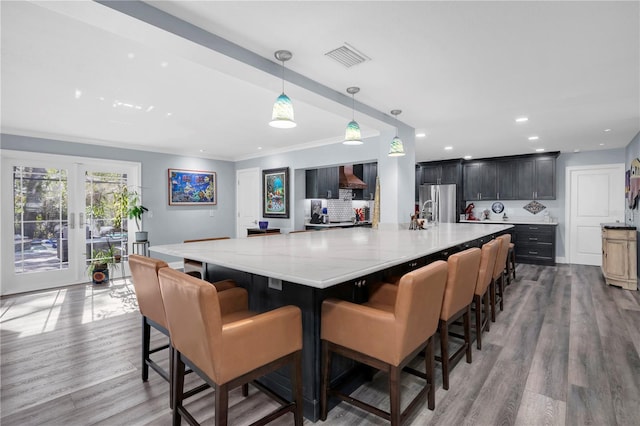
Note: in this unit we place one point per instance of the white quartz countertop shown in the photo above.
(515, 221)
(325, 258)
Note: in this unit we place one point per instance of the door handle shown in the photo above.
(72, 221)
(81, 219)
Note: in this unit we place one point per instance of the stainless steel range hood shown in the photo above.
(348, 180)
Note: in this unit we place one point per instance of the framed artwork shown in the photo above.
(192, 188)
(275, 193)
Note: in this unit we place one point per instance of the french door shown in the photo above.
(58, 213)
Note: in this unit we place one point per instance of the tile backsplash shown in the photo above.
(342, 208)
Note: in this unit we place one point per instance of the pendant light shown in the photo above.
(282, 116)
(352, 134)
(397, 148)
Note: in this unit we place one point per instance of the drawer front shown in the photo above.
(619, 234)
(536, 229)
(536, 238)
(535, 250)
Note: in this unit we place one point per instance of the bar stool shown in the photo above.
(195, 267)
(227, 345)
(481, 295)
(144, 274)
(497, 284)
(386, 333)
(461, 283)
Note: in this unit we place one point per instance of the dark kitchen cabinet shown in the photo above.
(367, 173)
(322, 183)
(479, 180)
(441, 172)
(506, 180)
(536, 178)
(535, 244)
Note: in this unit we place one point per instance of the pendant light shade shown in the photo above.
(352, 135)
(282, 116)
(396, 149)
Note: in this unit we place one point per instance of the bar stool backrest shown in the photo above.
(461, 281)
(144, 274)
(501, 259)
(487, 265)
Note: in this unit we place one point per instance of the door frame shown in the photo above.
(567, 200)
(11, 282)
(255, 170)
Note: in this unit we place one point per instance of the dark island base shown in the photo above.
(266, 294)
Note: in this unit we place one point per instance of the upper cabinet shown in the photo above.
(511, 178)
(479, 180)
(536, 178)
(367, 172)
(322, 183)
(440, 172)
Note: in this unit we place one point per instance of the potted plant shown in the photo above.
(99, 267)
(135, 210)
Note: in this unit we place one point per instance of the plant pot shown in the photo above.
(141, 236)
(100, 273)
(117, 258)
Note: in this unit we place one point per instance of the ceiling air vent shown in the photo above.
(347, 55)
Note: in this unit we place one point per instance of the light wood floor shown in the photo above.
(565, 351)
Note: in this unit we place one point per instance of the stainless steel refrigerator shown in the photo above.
(438, 202)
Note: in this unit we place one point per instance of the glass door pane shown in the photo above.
(40, 225)
(106, 203)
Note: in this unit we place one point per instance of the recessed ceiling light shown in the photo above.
(150, 107)
(468, 157)
(164, 64)
(522, 119)
(448, 148)
(576, 150)
(202, 150)
(131, 55)
(607, 130)
(539, 149)
(169, 114)
(420, 133)
(533, 138)
(78, 93)
(259, 147)
(601, 144)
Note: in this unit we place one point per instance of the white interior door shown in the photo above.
(247, 200)
(50, 204)
(595, 194)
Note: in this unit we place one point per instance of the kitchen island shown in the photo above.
(303, 269)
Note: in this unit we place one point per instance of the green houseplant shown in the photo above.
(135, 210)
(99, 267)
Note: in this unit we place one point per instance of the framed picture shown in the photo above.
(275, 193)
(192, 188)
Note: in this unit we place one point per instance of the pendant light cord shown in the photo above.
(283, 77)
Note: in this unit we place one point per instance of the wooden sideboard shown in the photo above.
(619, 248)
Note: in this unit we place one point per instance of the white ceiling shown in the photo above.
(462, 71)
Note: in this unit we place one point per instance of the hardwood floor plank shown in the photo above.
(586, 407)
(540, 410)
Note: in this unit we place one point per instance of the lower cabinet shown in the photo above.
(535, 244)
(619, 265)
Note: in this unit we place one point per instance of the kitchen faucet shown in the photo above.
(424, 209)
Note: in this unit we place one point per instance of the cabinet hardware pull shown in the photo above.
(533, 239)
(328, 193)
(531, 227)
(533, 252)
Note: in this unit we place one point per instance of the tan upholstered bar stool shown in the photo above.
(461, 283)
(481, 294)
(497, 284)
(144, 274)
(195, 267)
(227, 345)
(386, 333)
